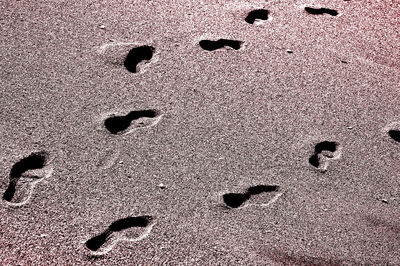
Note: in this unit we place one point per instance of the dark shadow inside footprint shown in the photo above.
(261, 14)
(320, 11)
(136, 55)
(235, 200)
(314, 160)
(96, 242)
(122, 224)
(326, 146)
(117, 124)
(394, 134)
(261, 189)
(134, 115)
(125, 223)
(35, 160)
(214, 45)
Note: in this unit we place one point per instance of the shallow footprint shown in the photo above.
(133, 120)
(257, 14)
(24, 176)
(209, 45)
(129, 229)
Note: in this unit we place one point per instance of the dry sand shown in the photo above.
(242, 120)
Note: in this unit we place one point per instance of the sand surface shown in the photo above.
(279, 148)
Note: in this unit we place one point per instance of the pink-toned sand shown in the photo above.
(227, 120)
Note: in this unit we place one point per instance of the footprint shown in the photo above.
(133, 56)
(394, 134)
(24, 176)
(393, 131)
(261, 189)
(214, 45)
(133, 120)
(257, 14)
(137, 55)
(109, 159)
(130, 229)
(235, 200)
(320, 11)
(324, 152)
(255, 195)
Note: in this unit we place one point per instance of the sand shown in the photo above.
(295, 117)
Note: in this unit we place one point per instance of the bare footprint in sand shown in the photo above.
(129, 229)
(392, 130)
(24, 176)
(324, 152)
(394, 134)
(320, 11)
(135, 57)
(209, 45)
(126, 124)
(256, 15)
(260, 195)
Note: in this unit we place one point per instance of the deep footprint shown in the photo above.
(258, 14)
(326, 146)
(314, 160)
(394, 134)
(117, 124)
(261, 189)
(125, 223)
(214, 45)
(323, 151)
(137, 55)
(320, 11)
(235, 200)
(36, 160)
(95, 243)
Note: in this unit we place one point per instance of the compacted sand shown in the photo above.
(200, 132)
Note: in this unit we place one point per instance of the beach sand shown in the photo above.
(275, 142)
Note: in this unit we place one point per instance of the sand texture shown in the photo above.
(200, 132)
